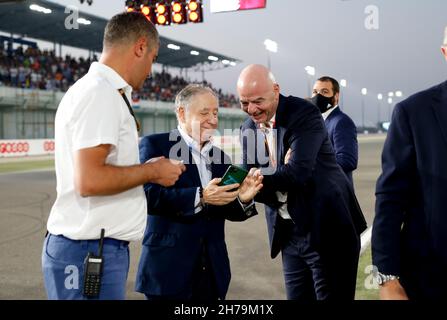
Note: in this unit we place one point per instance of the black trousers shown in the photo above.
(304, 273)
(311, 274)
(203, 284)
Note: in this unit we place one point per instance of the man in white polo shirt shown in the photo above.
(98, 173)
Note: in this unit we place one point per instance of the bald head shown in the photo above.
(258, 92)
(255, 77)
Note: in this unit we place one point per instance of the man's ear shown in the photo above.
(140, 47)
(181, 114)
(276, 87)
(276, 90)
(337, 97)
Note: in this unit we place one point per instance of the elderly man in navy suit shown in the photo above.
(409, 237)
(341, 129)
(184, 256)
(312, 214)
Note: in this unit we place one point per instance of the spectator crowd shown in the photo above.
(32, 68)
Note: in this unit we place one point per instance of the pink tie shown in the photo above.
(266, 127)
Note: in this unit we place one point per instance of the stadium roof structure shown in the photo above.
(17, 18)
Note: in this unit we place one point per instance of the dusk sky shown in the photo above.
(330, 35)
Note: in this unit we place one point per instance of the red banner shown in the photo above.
(251, 4)
(28, 147)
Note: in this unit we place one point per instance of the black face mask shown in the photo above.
(323, 103)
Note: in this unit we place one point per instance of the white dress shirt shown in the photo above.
(203, 163)
(328, 112)
(271, 139)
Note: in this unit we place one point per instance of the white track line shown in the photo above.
(365, 240)
(27, 171)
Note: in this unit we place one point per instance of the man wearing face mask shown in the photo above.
(341, 129)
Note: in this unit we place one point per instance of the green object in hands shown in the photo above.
(233, 174)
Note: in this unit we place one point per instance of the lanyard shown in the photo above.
(268, 133)
(121, 91)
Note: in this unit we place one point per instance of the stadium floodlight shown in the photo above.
(390, 94)
(390, 100)
(225, 61)
(163, 13)
(213, 58)
(271, 45)
(380, 98)
(364, 92)
(178, 12)
(84, 21)
(232, 63)
(194, 53)
(398, 94)
(195, 11)
(166, 12)
(145, 10)
(131, 5)
(37, 8)
(173, 46)
(343, 83)
(310, 70)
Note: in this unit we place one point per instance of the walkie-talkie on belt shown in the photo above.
(93, 271)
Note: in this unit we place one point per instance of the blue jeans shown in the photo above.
(63, 267)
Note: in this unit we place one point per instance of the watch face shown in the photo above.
(379, 279)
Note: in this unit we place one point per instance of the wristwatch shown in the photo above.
(381, 278)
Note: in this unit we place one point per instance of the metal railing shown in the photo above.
(29, 114)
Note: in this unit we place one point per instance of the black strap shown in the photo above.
(121, 91)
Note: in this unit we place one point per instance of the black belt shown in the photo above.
(109, 241)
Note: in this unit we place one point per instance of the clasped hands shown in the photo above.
(222, 195)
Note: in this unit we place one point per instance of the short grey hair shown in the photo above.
(184, 97)
(127, 27)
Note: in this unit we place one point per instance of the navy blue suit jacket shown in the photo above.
(320, 199)
(175, 234)
(343, 136)
(409, 235)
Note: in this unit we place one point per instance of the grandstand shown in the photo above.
(32, 81)
(35, 69)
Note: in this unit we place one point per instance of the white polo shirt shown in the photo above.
(92, 113)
